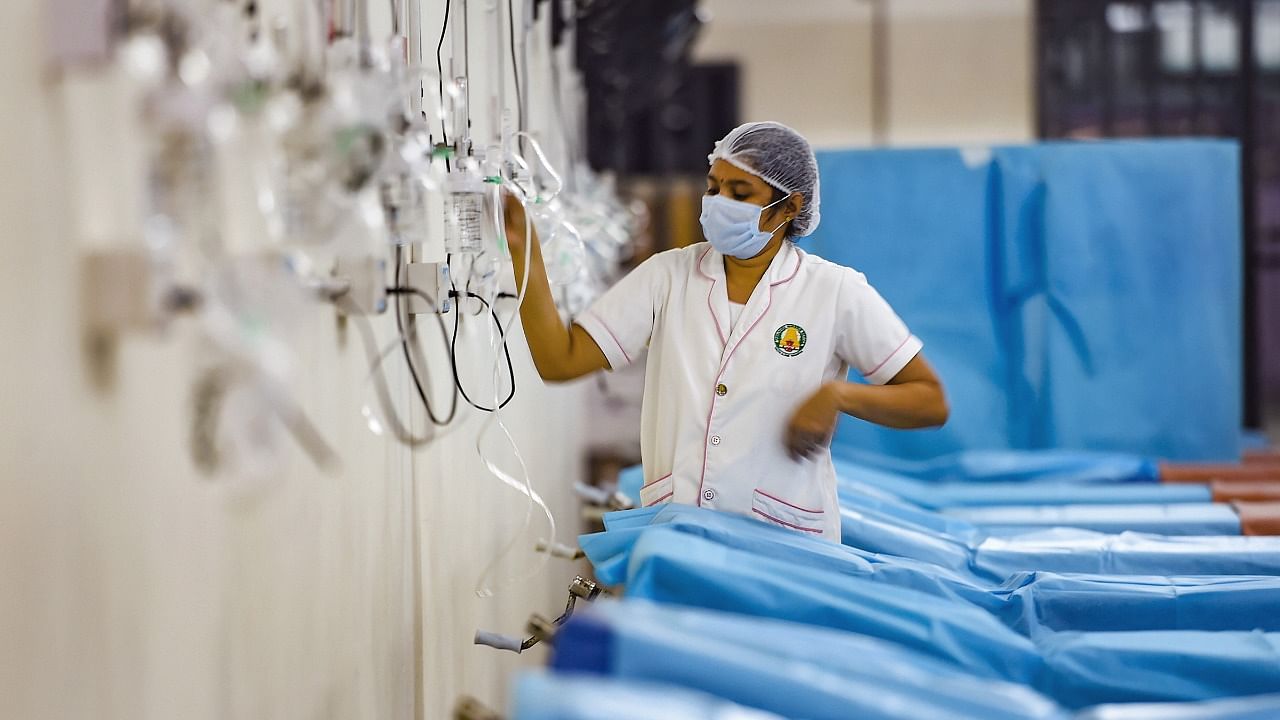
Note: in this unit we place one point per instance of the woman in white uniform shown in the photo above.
(750, 342)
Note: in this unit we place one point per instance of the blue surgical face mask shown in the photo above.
(733, 226)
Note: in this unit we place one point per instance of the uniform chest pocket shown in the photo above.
(780, 512)
(659, 490)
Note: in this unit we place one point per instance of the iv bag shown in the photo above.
(464, 213)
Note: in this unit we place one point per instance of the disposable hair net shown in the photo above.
(781, 157)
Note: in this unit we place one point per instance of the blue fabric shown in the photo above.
(876, 525)
(887, 212)
(547, 696)
(674, 567)
(944, 494)
(1254, 440)
(1092, 668)
(1123, 265)
(1074, 668)
(630, 480)
(1071, 295)
(789, 669)
(1257, 707)
(1082, 551)
(1027, 602)
(1133, 602)
(1001, 478)
(1185, 519)
(1053, 485)
(1014, 466)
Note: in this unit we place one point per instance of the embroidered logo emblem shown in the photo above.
(789, 340)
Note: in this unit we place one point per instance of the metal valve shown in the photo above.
(539, 628)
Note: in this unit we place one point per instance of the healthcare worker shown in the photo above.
(750, 340)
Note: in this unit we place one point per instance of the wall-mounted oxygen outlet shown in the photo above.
(366, 278)
(124, 292)
(119, 292)
(434, 282)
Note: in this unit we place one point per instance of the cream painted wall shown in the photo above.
(131, 586)
(812, 74)
(963, 76)
(959, 71)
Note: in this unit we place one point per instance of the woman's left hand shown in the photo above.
(813, 423)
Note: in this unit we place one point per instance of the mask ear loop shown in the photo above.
(766, 207)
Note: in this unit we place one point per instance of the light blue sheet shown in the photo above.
(883, 524)
(1258, 707)
(1122, 264)
(917, 223)
(630, 480)
(1093, 668)
(944, 494)
(879, 526)
(1071, 295)
(947, 494)
(1184, 519)
(793, 670)
(674, 567)
(1014, 466)
(1026, 602)
(548, 696)
(1076, 669)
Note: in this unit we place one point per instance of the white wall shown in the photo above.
(131, 586)
(958, 71)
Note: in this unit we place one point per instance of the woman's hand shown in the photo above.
(912, 399)
(813, 423)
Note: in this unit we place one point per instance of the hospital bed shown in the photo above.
(1075, 668)
(1026, 602)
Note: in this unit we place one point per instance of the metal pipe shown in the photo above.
(1248, 91)
(413, 43)
(460, 72)
(397, 17)
(342, 18)
(500, 115)
(879, 72)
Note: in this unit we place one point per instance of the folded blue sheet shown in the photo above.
(1026, 602)
(789, 669)
(1076, 669)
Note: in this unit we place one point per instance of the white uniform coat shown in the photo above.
(717, 397)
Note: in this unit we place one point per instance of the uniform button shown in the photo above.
(715, 439)
(722, 390)
(708, 494)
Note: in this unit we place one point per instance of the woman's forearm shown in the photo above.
(559, 353)
(545, 333)
(907, 405)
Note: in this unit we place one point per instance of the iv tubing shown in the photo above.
(398, 428)
(483, 587)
